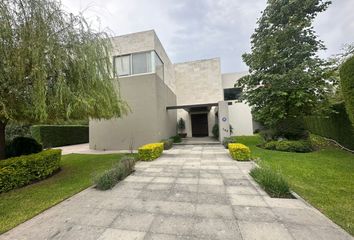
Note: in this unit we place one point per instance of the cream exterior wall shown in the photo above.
(198, 82)
(148, 120)
(240, 116)
(141, 42)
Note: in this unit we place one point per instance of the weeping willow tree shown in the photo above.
(53, 67)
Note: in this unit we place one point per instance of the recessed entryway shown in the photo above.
(199, 125)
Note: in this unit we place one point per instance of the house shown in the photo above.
(160, 92)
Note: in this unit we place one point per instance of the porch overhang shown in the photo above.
(195, 107)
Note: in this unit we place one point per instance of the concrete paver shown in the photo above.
(190, 192)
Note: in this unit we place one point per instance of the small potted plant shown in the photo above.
(181, 125)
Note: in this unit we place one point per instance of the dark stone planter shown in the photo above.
(182, 135)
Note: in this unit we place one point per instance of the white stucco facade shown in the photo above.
(193, 89)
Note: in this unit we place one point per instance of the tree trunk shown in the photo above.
(2, 139)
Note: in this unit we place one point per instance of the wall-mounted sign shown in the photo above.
(224, 119)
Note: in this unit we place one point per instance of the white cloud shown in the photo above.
(194, 29)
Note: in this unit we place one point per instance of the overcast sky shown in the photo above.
(199, 29)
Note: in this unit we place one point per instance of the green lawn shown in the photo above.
(77, 172)
(324, 178)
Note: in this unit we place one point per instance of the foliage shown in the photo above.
(228, 140)
(176, 139)
(239, 152)
(150, 151)
(181, 125)
(215, 131)
(60, 135)
(347, 86)
(111, 177)
(20, 171)
(286, 76)
(22, 146)
(301, 146)
(53, 66)
(323, 178)
(75, 175)
(336, 126)
(318, 142)
(167, 143)
(273, 183)
(16, 130)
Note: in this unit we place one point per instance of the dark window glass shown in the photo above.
(232, 93)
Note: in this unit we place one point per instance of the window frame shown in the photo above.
(153, 66)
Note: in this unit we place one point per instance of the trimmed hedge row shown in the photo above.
(150, 151)
(60, 135)
(302, 146)
(337, 126)
(20, 171)
(239, 152)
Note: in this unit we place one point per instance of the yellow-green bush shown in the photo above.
(239, 151)
(150, 151)
(20, 171)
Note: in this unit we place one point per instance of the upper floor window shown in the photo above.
(139, 63)
(232, 93)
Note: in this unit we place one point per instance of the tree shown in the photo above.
(53, 66)
(286, 76)
(347, 86)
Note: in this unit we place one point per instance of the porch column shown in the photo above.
(224, 126)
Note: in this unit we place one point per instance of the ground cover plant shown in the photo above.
(324, 177)
(118, 172)
(76, 174)
(272, 182)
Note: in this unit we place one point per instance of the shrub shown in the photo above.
(110, 178)
(289, 146)
(22, 146)
(60, 135)
(215, 130)
(318, 142)
(167, 143)
(239, 152)
(20, 171)
(176, 139)
(273, 183)
(181, 125)
(228, 140)
(150, 151)
(16, 130)
(347, 86)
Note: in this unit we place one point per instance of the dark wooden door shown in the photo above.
(199, 125)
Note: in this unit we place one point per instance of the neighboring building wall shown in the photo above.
(240, 116)
(148, 122)
(198, 82)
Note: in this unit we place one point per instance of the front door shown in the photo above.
(199, 125)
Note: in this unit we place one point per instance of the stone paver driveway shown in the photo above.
(191, 192)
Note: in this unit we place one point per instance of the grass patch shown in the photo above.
(324, 178)
(77, 171)
(273, 183)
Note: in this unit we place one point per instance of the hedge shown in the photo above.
(347, 86)
(302, 146)
(20, 171)
(228, 140)
(337, 126)
(150, 151)
(167, 143)
(239, 152)
(60, 135)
